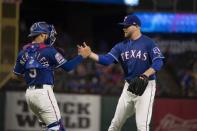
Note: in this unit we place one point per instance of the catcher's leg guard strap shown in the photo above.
(56, 126)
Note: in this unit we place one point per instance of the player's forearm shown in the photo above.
(102, 59)
(149, 72)
(156, 66)
(72, 64)
(94, 56)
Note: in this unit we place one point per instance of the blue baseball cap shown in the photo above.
(130, 20)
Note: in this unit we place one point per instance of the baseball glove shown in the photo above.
(138, 85)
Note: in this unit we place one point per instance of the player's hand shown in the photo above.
(84, 50)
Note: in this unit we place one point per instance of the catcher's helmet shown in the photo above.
(42, 27)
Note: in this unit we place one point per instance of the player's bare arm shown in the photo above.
(149, 72)
(94, 56)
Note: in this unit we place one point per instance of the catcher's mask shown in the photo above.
(42, 27)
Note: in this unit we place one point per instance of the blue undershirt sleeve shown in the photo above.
(72, 64)
(157, 64)
(106, 59)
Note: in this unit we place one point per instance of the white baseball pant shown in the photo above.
(129, 104)
(43, 104)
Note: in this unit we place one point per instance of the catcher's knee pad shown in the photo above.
(56, 126)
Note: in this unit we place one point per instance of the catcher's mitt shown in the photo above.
(138, 85)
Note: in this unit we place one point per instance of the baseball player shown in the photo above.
(140, 59)
(36, 63)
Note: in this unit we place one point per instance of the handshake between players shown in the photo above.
(84, 50)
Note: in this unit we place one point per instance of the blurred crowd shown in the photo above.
(181, 63)
(90, 77)
(184, 69)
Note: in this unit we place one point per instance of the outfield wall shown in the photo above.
(94, 113)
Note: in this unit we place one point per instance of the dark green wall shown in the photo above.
(107, 112)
